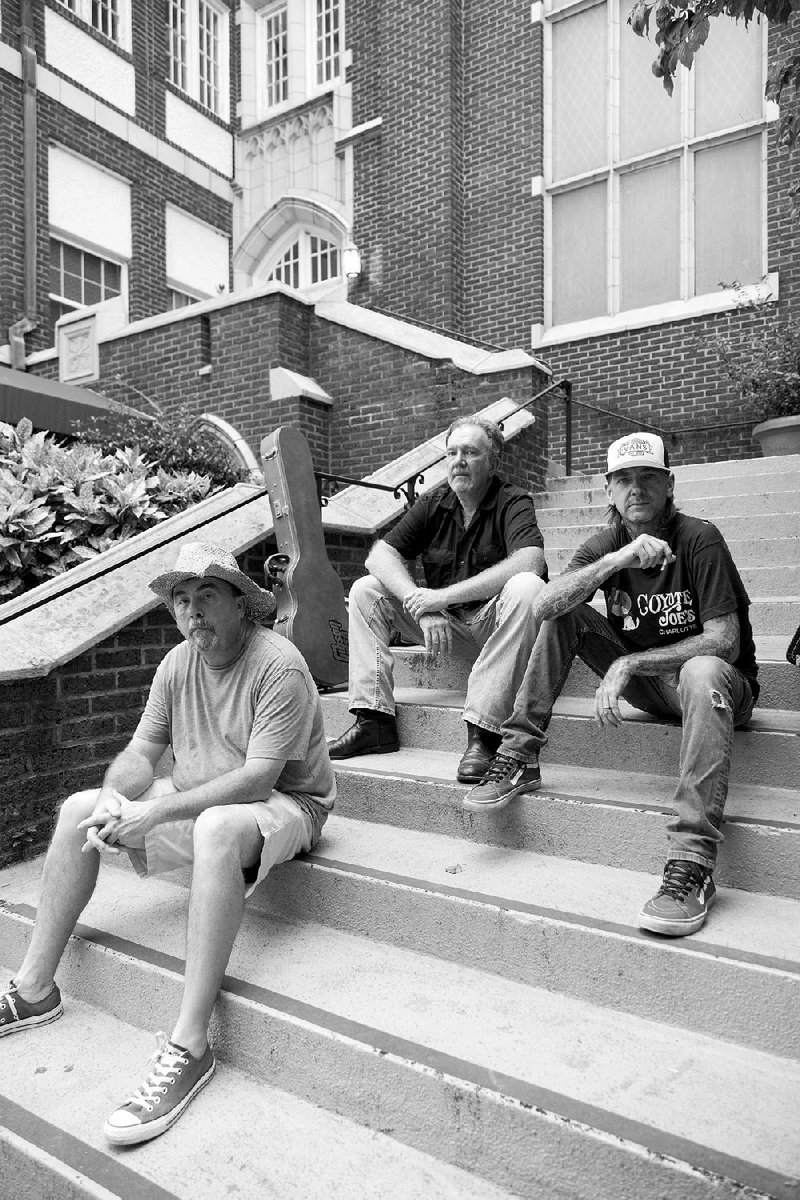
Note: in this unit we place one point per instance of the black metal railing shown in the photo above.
(408, 488)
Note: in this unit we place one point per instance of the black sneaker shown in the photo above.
(172, 1079)
(682, 902)
(17, 1014)
(505, 779)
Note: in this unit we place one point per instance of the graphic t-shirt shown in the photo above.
(651, 608)
(262, 705)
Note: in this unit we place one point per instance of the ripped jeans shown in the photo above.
(712, 697)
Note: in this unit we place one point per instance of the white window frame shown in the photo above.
(97, 252)
(83, 10)
(688, 304)
(192, 84)
(302, 65)
(304, 235)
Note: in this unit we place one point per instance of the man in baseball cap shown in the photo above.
(251, 785)
(676, 641)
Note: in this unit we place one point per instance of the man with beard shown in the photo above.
(676, 641)
(251, 786)
(483, 561)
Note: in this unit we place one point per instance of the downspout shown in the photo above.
(26, 324)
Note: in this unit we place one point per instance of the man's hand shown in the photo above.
(117, 820)
(422, 601)
(606, 698)
(648, 551)
(437, 632)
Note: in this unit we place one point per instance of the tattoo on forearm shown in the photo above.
(722, 641)
(568, 591)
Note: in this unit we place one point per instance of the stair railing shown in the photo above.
(328, 484)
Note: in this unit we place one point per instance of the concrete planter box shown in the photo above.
(779, 436)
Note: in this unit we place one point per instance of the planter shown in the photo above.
(779, 436)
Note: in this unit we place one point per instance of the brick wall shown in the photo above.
(152, 184)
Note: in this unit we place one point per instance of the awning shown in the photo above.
(48, 403)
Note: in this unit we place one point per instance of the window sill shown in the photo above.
(659, 314)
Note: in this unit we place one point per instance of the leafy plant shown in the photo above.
(175, 441)
(766, 372)
(61, 505)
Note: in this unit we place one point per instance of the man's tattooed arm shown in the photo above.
(720, 638)
(566, 592)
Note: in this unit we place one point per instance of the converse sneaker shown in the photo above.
(505, 779)
(16, 1013)
(681, 903)
(172, 1079)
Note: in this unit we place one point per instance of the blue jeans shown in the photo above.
(709, 694)
(499, 637)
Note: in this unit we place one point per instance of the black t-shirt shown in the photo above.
(651, 608)
(433, 529)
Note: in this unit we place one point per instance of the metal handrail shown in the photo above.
(409, 486)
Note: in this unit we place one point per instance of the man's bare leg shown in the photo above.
(68, 880)
(226, 840)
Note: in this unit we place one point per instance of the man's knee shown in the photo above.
(705, 674)
(227, 832)
(365, 591)
(523, 588)
(78, 806)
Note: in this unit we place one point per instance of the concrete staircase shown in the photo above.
(442, 1004)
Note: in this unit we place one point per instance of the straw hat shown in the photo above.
(198, 560)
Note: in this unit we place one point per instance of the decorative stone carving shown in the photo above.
(291, 128)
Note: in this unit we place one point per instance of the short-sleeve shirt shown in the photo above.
(262, 705)
(433, 530)
(651, 608)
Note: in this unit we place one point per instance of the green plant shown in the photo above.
(175, 441)
(766, 372)
(61, 505)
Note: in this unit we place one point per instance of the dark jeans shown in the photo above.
(710, 696)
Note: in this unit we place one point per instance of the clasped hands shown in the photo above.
(115, 819)
(424, 605)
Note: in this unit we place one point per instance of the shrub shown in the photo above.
(175, 441)
(61, 505)
(766, 372)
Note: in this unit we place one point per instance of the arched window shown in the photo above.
(309, 259)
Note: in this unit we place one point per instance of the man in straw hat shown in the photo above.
(676, 641)
(251, 786)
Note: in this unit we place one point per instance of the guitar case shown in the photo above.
(311, 610)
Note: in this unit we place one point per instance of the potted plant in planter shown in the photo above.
(767, 375)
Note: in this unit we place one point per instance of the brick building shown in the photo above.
(509, 174)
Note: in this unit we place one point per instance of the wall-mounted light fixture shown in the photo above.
(351, 259)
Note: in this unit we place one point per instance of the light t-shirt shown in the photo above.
(262, 705)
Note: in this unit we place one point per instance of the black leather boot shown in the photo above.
(367, 736)
(481, 748)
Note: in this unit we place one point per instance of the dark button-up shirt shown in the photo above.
(433, 529)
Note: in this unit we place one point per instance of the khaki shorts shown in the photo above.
(286, 830)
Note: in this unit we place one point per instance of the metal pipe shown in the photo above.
(27, 323)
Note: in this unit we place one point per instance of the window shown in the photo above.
(106, 16)
(328, 45)
(309, 260)
(299, 57)
(198, 52)
(656, 202)
(79, 278)
(276, 57)
(179, 299)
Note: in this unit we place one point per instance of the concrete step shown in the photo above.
(51, 1144)
(780, 680)
(733, 528)
(710, 508)
(765, 752)
(605, 815)
(757, 550)
(554, 923)
(757, 474)
(542, 1099)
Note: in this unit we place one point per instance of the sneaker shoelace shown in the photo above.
(500, 768)
(680, 878)
(162, 1069)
